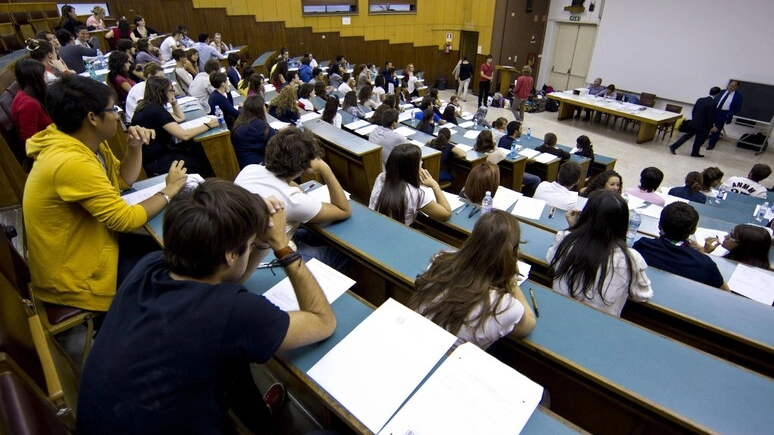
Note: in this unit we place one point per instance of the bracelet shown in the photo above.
(289, 259)
(163, 195)
(284, 252)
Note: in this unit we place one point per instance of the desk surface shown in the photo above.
(628, 110)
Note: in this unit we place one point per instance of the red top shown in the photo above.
(117, 82)
(523, 88)
(488, 70)
(28, 115)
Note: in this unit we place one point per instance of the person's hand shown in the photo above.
(317, 166)
(710, 244)
(426, 179)
(572, 217)
(275, 233)
(176, 177)
(695, 245)
(139, 136)
(273, 204)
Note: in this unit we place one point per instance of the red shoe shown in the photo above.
(275, 398)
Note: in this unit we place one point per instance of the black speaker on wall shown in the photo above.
(529, 5)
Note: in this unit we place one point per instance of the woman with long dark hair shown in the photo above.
(449, 114)
(748, 244)
(143, 53)
(255, 87)
(447, 149)
(397, 193)
(591, 261)
(28, 111)
(244, 83)
(692, 191)
(251, 132)
(350, 105)
(364, 98)
(118, 75)
(608, 180)
(122, 30)
(712, 178)
(331, 113)
(69, 19)
(278, 76)
(427, 124)
(473, 292)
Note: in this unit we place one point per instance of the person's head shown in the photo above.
(211, 66)
(178, 55)
(64, 37)
(759, 172)
(489, 59)
(152, 69)
(732, 85)
(143, 45)
(340, 58)
(31, 75)
(317, 73)
(456, 283)
(290, 152)
(611, 88)
(218, 38)
(583, 142)
(482, 178)
(234, 60)
(73, 102)
(364, 94)
(608, 180)
(409, 69)
(256, 84)
(118, 64)
(40, 50)
(305, 61)
(212, 229)
(711, 177)
(123, 26)
(350, 100)
(306, 91)
(309, 56)
(484, 142)
(694, 182)
(433, 94)
(598, 81)
(69, 12)
(402, 169)
(126, 45)
(50, 37)
(292, 78)
(387, 65)
(569, 174)
(82, 33)
(177, 35)
(500, 123)
(98, 11)
(193, 57)
(514, 129)
(218, 80)
(526, 70)
(427, 117)
(749, 244)
(345, 77)
(390, 118)
(320, 89)
(139, 21)
(183, 29)
(203, 38)
(158, 90)
(455, 100)
(253, 108)
(286, 100)
(650, 178)
(442, 140)
(714, 91)
(678, 221)
(284, 53)
(391, 100)
(449, 114)
(331, 108)
(549, 139)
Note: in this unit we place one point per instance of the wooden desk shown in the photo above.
(218, 148)
(261, 64)
(649, 118)
(241, 50)
(506, 75)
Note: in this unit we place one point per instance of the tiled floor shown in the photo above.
(632, 158)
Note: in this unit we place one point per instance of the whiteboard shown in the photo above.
(679, 49)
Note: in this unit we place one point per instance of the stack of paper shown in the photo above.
(143, 194)
(309, 116)
(279, 125)
(652, 210)
(464, 147)
(332, 282)
(528, 153)
(466, 124)
(365, 131)
(357, 124)
(195, 122)
(472, 134)
(544, 158)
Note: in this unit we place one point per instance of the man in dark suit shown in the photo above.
(727, 104)
(701, 124)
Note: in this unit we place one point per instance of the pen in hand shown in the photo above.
(534, 302)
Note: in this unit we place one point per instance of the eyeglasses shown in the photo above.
(262, 247)
(114, 109)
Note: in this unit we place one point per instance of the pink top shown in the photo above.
(524, 85)
(651, 197)
(97, 23)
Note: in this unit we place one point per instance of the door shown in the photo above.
(469, 45)
(572, 55)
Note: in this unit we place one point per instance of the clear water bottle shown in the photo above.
(230, 47)
(635, 219)
(90, 69)
(529, 133)
(221, 120)
(486, 203)
(721, 194)
(102, 61)
(299, 125)
(762, 211)
(623, 98)
(512, 154)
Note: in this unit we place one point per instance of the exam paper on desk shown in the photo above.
(472, 134)
(365, 131)
(357, 124)
(504, 198)
(454, 200)
(405, 131)
(142, 195)
(702, 234)
(196, 122)
(378, 365)
(757, 284)
(279, 125)
(529, 208)
(544, 158)
(528, 153)
(466, 124)
(309, 116)
(332, 282)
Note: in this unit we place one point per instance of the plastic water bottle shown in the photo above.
(721, 194)
(634, 224)
(623, 98)
(486, 203)
(221, 120)
(512, 154)
(529, 133)
(102, 61)
(762, 211)
(90, 69)
(230, 47)
(299, 125)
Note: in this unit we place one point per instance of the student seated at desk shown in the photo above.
(144, 54)
(650, 179)
(251, 132)
(305, 95)
(137, 93)
(692, 189)
(480, 117)
(584, 148)
(71, 53)
(559, 193)
(447, 149)
(499, 129)
(183, 331)
(385, 135)
(748, 244)
(162, 149)
(513, 132)
(284, 106)
(331, 113)
(750, 185)
(397, 194)
(549, 146)
(427, 124)
(256, 86)
(482, 179)
(201, 88)
(350, 105)
(449, 115)
(674, 251)
(27, 111)
(364, 98)
(485, 144)
(712, 178)
(119, 76)
(608, 180)
(221, 98)
(591, 261)
(182, 76)
(473, 292)
(289, 154)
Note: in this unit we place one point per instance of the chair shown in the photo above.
(22, 23)
(647, 100)
(38, 21)
(8, 129)
(669, 126)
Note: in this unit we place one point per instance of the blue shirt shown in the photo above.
(680, 259)
(685, 193)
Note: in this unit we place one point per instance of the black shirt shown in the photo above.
(679, 259)
(155, 117)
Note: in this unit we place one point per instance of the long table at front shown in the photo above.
(649, 118)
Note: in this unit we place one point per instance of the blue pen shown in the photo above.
(473, 212)
(462, 208)
(309, 187)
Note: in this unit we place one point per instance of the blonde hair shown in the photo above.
(96, 10)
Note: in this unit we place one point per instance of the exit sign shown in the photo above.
(574, 17)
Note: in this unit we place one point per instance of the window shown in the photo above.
(394, 7)
(330, 7)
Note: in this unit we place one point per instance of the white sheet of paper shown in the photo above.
(466, 124)
(235, 94)
(472, 134)
(195, 122)
(405, 131)
(405, 116)
(406, 106)
(652, 210)
(451, 131)
(544, 157)
(504, 198)
(464, 147)
(454, 200)
(635, 202)
(370, 114)
(332, 282)
(528, 153)
(143, 194)
(185, 100)
(529, 208)
(466, 115)
(416, 142)
(357, 124)
(524, 270)
(471, 393)
(755, 283)
(279, 125)
(309, 116)
(323, 194)
(703, 234)
(375, 368)
(365, 131)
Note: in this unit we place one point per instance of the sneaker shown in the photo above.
(672, 150)
(697, 155)
(275, 398)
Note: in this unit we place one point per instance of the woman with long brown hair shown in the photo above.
(251, 132)
(284, 106)
(473, 292)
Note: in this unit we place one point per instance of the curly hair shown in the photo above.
(286, 100)
(290, 152)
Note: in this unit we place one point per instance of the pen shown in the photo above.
(309, 187)
(462, 208)
(551, 212)
(534, 302)
(473, 212)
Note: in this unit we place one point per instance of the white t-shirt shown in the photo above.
(337, 120)
(299, 207)
(412, 83)
(556, 195)
(344, 88)
(746, 186)
(416, 198)
(166, 48)
(511, 311)
(377, 93)
(616, 282)
(305, 104)
(133, 97)
(388, 139)
(200, 88)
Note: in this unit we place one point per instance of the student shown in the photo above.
(183, 331)
(28, 114)
(42, 51)
(290, 153)
(584, 148)
(135, 69)
(144, 54)
(69, 20)
(363, 77)
(608, 180)
(285, 106)
(251, 132)
(137, 93)
(364, 98)
(449, 114)
(397, 193)
(140, 30)
(318, 76)
(96, 20)
(350, 105)
(486, 72)
(499, 129)
(305, 95)
(513, 132)
(331, 113)
(549, 146)
(411, 80)
(182, 76)
(379, 91)
(221, 98)
(455, 102)
(162, 149)
(170, 43)
(480, 117)
(750, 185)
(122, 30)
(447, 149)
(206, 53)
(385, 135)
(650, 179)
(82, 38)
(472, 292)
(692, 189)
(427, 124)
(305, 71)
(485, 144)
(192, 63)
(335, 78)
(347, 84)
(73, 211)
(244, 82)
(673, 251)
(72, 54)
(256, 85)
(234, 63)
(748, 244)
(483, 178)
(711, 177)
(57, 61)
(591, 261)
(218, 44)
(559, 193)
(118, 75)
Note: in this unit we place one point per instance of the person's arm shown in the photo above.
(438, 209)
(86, 51)
(177, 112)
(181, 133)
(262, 248)
(175, 180)
(193, 70)
(130, 166)
(126, 86)
(527, 323)
(338, 208)
(459, 152)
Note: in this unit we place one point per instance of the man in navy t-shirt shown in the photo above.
(174, 352)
